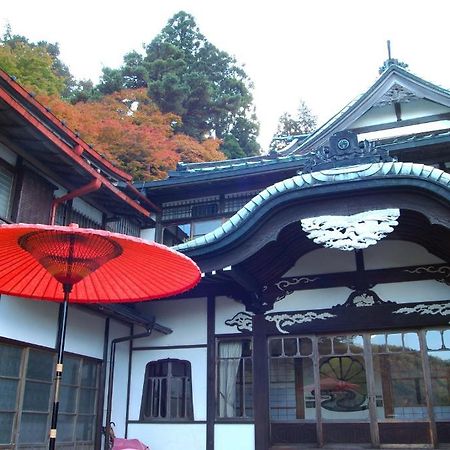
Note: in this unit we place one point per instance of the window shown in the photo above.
(235, 379)
(26, 376)
(167, 391)
(6, 185)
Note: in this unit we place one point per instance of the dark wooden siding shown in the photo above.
(36, 195)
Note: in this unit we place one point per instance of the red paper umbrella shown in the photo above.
(71, 264)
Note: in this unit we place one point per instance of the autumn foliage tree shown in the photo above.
(129, 129)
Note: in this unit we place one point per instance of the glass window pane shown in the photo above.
(33, 428)
(305, 346)
(6, 182)
(71, 370)
(85, 428)
(325, 346)
(356, 344)
(434, 340)
(275, 347)
(411, 341)
(87, 401)
(8, 394)
(66, 428)
(290, 346)
(40, 365)
(68, 399)
(378, 343)
(340, 345)
(89, 374)
(400, 387)
(6, 425)
(446, 335)
(178, 369)
(394, 342)
(10, 357)
(440, 382)
(36, 396)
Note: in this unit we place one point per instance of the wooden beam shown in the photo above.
(401, 123)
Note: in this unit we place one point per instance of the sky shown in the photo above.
(325, 52)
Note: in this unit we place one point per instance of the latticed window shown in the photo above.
(167, 391)
(26, 394)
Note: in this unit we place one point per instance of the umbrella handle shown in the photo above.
(61, 338)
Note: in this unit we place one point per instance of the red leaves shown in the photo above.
(129, 129)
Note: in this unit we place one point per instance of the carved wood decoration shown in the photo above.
(353, 232)
(349, 317)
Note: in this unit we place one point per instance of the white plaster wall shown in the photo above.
(388, 254)
(148, 234)
(186, 317)
(226, 308)
(171, 436)
(413, 291)
(323, 260)
(234, 437)
(31, 321)
(119, 399)
(85, 333)
(312, 299)
(88, 210)
(197, 358)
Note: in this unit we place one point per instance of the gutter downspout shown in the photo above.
(92, 186)
(111, 376)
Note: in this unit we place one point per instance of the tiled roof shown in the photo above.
(325, 177)
(426, 138)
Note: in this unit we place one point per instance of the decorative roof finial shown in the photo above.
(391, 61)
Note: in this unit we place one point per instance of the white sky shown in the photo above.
(323, 51)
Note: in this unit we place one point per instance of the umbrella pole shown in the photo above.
(61, 337)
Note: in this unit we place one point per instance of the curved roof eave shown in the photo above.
(342, 175)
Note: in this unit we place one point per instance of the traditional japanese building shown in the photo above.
(322, 317)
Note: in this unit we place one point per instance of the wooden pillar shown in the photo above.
(211, 373)
(260, 383)
(159, 230)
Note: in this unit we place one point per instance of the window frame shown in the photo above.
(169, 378)
(244, 388)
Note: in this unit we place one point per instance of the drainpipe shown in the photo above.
(92, 186)
(111, 376)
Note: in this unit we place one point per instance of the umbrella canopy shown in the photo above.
(102, 267)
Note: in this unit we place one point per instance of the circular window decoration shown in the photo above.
(343, 384)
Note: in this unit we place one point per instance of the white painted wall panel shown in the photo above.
(312, 299)
(414, 291)
(148, 234)
(119, 400)
(234, 437)
(388, 254)
(30, 321)
(85, 333)
(226, 308)
(186, 317)
(197, 358)
(171, 436)
(323, 260)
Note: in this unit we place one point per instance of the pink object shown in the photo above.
(129, 444)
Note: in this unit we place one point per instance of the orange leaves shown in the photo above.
(129, 129)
